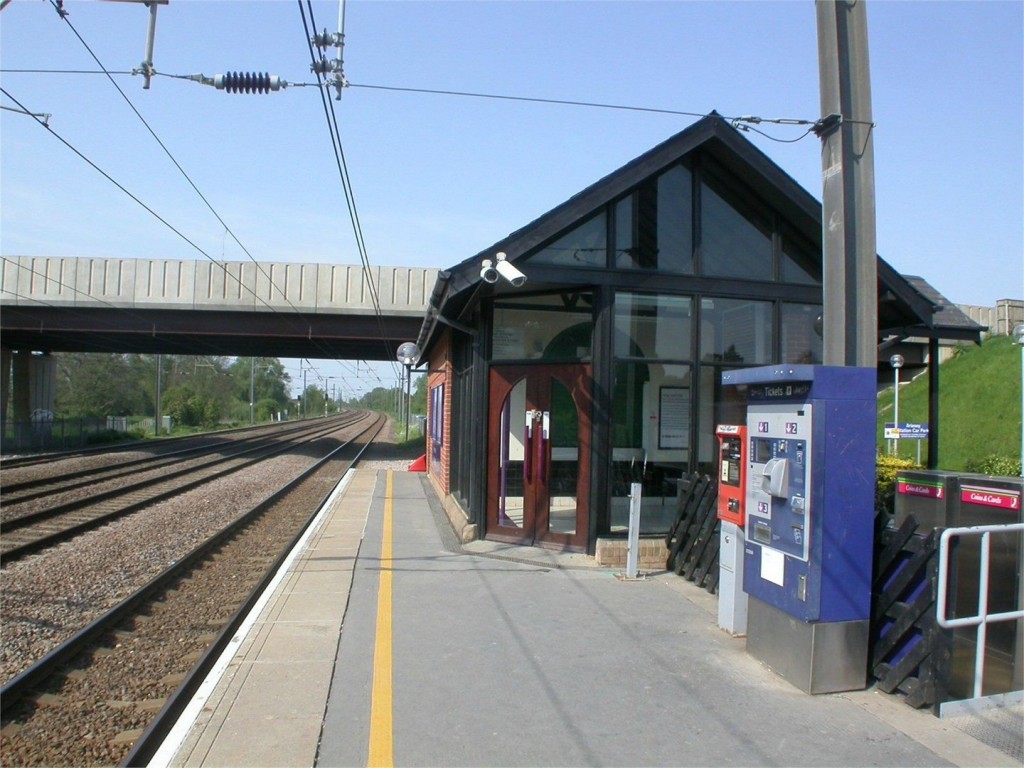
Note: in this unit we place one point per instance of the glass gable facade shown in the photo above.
(680, 278)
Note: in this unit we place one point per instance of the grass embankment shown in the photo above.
(979, 405)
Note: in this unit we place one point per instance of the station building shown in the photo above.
(548, 398)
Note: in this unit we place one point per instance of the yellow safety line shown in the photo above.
(381, 709)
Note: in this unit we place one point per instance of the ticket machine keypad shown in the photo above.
(778, 479)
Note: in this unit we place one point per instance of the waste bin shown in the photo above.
(927, 495)
(987, 500)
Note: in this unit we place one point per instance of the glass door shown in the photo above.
(539, 455)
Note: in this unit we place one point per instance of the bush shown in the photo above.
(995, 465)
(886, 469)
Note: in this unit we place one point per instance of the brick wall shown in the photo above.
(440, 375)
(611, 553)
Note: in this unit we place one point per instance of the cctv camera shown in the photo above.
(509, 272)
(488, 273)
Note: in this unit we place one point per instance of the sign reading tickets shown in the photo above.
(990, 497)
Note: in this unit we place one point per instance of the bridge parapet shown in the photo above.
(231, 285)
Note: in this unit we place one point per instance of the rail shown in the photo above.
(31, 680)
(982, 618)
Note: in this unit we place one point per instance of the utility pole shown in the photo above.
(850, 317)
(252, 388)
(159, 384)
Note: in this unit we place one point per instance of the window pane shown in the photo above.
(626, 253)
(650, 441)
(736, 331)
(799, 264)
(565, 465)
(718, 405)
(801, 342)
(675, 222)
(550, 327)
(661, 237)
(731, 244)
(585, 246)
(437, 422)
(652, 325)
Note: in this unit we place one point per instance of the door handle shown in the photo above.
(528, 447)
(545, 434)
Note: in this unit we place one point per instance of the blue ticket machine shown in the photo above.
(810, 521)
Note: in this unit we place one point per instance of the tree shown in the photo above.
(195, 390)
(266, 380)
(419, 395)
(98, 385)
(189, 408)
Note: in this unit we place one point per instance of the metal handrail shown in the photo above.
(982, 618)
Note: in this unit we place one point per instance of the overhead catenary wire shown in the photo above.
(167, 152)
(742, 122)
(346, 183)
(103, 70)
(63, 14)
(156, 215)
(332, 120)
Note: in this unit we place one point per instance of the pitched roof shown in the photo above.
(901, 306)
(947, 319)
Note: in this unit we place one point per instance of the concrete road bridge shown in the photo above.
(324, 311)
(246, 309)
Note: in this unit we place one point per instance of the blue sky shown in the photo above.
(438, 178)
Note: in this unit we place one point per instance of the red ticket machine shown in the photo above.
(732, 473)
(732, 489)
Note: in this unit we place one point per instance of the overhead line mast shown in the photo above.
(850, 332)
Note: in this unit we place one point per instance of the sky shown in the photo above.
(437, 178)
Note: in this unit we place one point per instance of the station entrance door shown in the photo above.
(538, 455)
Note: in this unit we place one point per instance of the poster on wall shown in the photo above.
(674, 417)
(508, 343)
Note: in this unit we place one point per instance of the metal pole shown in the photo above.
(303, 393)
(408, 399)
(147, 65)
(896, 408)
(1018, 337)
(933, 404)
(159, 379)
(633, 544)
(252, 388)
(850, 333)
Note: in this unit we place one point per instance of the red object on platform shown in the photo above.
(420, 465)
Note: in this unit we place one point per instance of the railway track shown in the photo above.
(110, 693)
(19, 491)
(106, 451)
(30, 524)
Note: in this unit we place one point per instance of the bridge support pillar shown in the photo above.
(6, 359)
(20, 401)
(34, 380)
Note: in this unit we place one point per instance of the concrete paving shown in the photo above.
(518, 657)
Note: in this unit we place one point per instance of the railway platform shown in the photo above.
(386, 642)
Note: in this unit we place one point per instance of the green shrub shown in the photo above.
(886, 469)
(995, 465)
